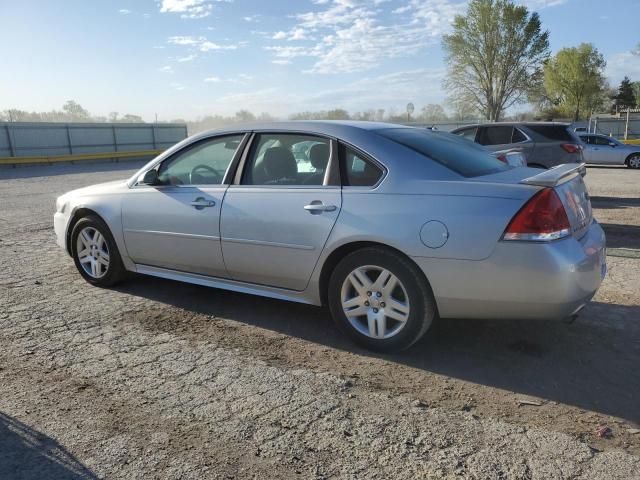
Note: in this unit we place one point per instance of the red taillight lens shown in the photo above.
(571, 148)
(502, 158)
(541, 219)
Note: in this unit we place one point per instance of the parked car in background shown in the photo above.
(544, 145)
(390, 226)
(603, 150)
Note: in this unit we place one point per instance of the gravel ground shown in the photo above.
(158, 379)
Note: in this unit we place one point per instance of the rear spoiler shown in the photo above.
(556, 175)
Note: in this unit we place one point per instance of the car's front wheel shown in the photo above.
(380, 299)
(95, 252)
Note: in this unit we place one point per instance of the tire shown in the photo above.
(411, 297)
(96, 251)
(633, 161)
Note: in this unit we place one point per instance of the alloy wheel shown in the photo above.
(634, 162)
(375, 302)
(92, 252)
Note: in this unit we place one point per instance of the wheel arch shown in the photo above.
(78, 214)
(343, 250)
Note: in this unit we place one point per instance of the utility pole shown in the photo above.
(626, 125)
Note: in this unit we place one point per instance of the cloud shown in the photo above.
(623, 64)
(177, 86)
(356, 35)
(199, 43)
(252, 18)
(188, 58)
(166, 69)
(281, 62)
(213, 80)
(190, 9)
(540, 4)
(124, 11)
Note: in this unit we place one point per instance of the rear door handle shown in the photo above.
(201, 203)
(318, 207)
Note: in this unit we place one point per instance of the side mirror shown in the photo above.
(612, 144)
(149, 178)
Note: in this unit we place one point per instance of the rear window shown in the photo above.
(461, 156)
(552, 132)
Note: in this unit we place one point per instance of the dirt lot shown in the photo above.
(158, 379)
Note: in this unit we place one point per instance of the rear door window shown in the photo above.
(468, 133)
(518, 136)
(558, 133)
(495, 135)
(358, 170)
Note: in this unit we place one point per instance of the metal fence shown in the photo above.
(23, 140)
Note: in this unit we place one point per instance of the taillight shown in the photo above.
(541, 219)
(571, 147)
(502, 158)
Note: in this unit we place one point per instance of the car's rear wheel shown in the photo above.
(380, 299)
(633, 161)
(95, 252)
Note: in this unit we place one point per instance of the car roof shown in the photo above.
(327, 127)
(509, 124)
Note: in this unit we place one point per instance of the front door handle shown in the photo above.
(202, 202)
(317, 206)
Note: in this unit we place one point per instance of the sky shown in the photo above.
(192, 58)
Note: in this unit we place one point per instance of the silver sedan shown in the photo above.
(390, 226)
(603, 150)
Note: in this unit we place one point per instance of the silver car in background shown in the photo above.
(603, 150)
(389, 226)
(543, 144)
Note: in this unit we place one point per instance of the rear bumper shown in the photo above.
(521, 280)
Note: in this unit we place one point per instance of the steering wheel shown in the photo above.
(194, 172)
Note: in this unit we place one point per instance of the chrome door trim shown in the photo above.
(268, 244)
(174, 234)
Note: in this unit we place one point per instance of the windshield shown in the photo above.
(455, 153)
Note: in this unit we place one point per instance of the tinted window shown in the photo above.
(287, 159)
(552, 132)
(358, 170)
(204, 163)
(586, 139)
(600, 141)
(518, 136)
(464, 158)
(498, 135)
(468, 133)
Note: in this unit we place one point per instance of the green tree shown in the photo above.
(494, 55)
(626, 97)
(574, 80)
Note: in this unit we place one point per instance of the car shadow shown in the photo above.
(590, 364)
(622, 236)
(32, 171)
(30, 455)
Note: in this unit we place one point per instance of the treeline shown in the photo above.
(71, 111)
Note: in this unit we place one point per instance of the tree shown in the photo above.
(494, 55)
(433, 113)
(626, 97)
(75, 112)
(636, 92)
(574, 79)
(128, 118)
